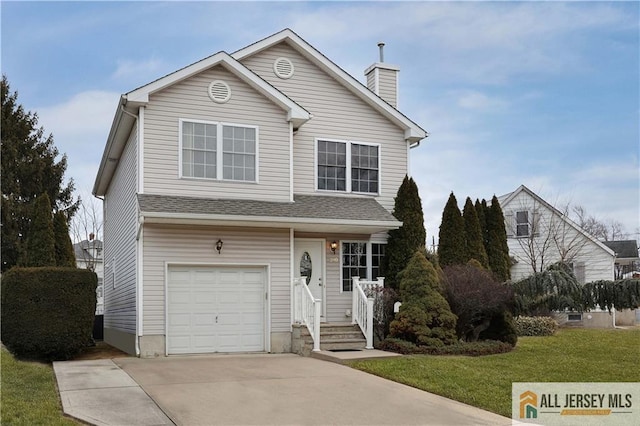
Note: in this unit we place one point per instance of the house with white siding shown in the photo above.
(247, 196)
(538, 235)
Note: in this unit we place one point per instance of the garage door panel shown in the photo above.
(217, 309)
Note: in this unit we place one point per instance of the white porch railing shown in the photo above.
(306, 310)
(362, 306)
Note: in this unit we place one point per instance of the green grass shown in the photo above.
(29, 394)
(572, 355)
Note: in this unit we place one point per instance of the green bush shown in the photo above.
(47, 313)
(536, 326)
(502, 328)
(485, 347)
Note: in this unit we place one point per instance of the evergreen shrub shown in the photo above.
(536, 326)
(47, 313)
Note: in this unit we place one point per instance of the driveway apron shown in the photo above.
(289, 389)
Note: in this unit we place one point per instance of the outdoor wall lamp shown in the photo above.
(334, 246)
(219, 245)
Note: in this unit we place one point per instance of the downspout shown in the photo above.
(139, 248)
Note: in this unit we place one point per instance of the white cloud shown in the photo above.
(80, 126)
(480, 102)
(143, 70)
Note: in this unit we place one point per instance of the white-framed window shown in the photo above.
(215, 150)
(361, 259)
(522, 223)
(347, 166)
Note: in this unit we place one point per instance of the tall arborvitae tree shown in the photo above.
(498, 250)
(40, 246)
(451, 245)
(29, 168)
(410, 237)
(473, 235)
(481, 208)
(65, 255)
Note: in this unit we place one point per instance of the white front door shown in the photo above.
(309, 263)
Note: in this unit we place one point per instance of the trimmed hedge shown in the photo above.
(480, 348)
(536, 326)
(47, 313)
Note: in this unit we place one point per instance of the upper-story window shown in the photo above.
(522, 223)
(348, 167)
(221, 151)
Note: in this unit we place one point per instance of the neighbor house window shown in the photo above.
(574, 317)
(348, 167)
(522, 224)
(360, 259)
(218, 151)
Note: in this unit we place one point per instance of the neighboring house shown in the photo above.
(627, 258)
(89, 256)
(538, 235)
(230, 179)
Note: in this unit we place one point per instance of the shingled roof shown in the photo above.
(363, 209)
(625, 249)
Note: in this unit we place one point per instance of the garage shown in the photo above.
(215, 309)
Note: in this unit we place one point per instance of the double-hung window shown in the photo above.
(522, 223)
(360, 259)
(220, 151)
(348, 167)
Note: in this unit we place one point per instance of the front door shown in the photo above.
(309, 263)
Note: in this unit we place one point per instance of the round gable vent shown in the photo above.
(283, 68)
(219, 91)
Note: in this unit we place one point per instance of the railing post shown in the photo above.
(369, 335)
(316, 325)
(354, 299)
(381, 282)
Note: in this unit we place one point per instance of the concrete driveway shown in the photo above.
(288, 389)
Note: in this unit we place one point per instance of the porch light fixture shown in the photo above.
(219, 245)
(334, 246)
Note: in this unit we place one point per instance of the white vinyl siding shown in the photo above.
(598, 264)
(337, 114)
(196, 246)
(387, 85)
(189, 100)
(120, 221)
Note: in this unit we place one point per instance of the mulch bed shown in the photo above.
(101, 350)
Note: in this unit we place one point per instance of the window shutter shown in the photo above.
(510, 223)
(535, 223)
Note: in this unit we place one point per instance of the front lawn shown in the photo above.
(29, 393)
(572, 355)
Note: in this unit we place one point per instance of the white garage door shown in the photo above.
(216, 309)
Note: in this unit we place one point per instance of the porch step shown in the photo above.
(333, 336)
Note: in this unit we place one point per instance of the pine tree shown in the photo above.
(498, 250)
(473, 235)
(40, 245)
(29, 168)
(425, 317)
(451, 245)
(64, 253)
(410, 237)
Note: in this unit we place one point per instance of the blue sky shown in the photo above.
(541, 94)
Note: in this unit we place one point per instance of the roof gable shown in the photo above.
(296, 113)
(506, 199)
(412, 131)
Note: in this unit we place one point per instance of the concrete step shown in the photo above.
(342, 344)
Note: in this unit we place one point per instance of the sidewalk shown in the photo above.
(100, 393)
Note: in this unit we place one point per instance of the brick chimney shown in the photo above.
(382, 79)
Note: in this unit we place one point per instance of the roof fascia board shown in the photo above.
(413, 132)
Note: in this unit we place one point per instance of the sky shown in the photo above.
(544, 94)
